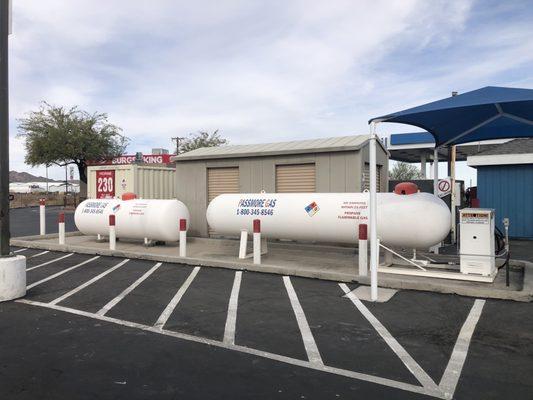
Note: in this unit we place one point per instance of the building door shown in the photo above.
(296, 178)
(220, 181)
(366, 178)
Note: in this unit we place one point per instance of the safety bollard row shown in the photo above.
(257, 241)
(183, 238)
(42, 217)
(112, 233)
(61, 227)
(363, 250)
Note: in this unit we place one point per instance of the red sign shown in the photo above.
(130, 159)
(105, 184)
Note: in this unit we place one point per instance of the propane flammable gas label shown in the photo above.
(354, 210)
(312, 209)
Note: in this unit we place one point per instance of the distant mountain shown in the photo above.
(23, 177)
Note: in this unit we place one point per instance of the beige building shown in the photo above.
(335, 165)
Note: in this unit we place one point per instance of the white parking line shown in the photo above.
(50, 262)
(258, 353)
(398, 349)
(129, 289)
(231, 319)
(307, 336)
(165, 315)
(19, 250)
(451, 375)
(61, 273)
(39, 254)
(89, 282)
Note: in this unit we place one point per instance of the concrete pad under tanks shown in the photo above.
(323, 262)
(333, 263)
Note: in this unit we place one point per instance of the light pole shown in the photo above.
(177, 140)
(4, 130)
(12, 267)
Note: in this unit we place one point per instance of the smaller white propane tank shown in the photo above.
(135, 219)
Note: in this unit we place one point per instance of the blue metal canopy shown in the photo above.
(487, 113)
(397, 139)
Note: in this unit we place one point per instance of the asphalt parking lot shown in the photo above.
(25, 221)
(102, 327)
(110, 328)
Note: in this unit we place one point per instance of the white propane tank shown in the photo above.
(418, 220)
(135, 219)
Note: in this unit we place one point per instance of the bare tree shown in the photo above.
(403, 171)
(201, 139)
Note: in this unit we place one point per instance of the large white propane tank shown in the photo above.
(418, 220)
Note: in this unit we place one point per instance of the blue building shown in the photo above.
(505, 183)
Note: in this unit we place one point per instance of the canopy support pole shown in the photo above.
(372, 211)
(436, 171)
(423, 165)
(453, 194)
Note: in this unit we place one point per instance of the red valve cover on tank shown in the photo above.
(129, 196)
(406, 188)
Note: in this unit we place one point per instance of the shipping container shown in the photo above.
(146, 181)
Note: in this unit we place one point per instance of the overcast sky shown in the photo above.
(259, 71)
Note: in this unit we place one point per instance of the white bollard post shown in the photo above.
(363, 249)
(112, 233)
(257, 241)
(244, 242)
(42, 216)
(183, 238)
(61, 227)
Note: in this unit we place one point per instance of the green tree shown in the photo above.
(61, 136)
(403, 171)
(201, 139)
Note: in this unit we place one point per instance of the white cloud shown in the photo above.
(259, 71)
